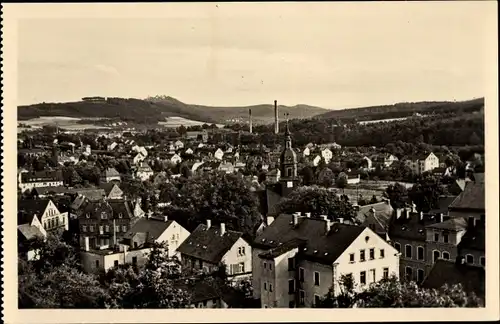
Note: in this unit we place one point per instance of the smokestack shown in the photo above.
(276, 121)
(250, 119)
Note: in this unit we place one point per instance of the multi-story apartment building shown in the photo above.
(297, 259)
(422, 163)
(31, 180)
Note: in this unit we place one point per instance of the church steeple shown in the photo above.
(288, 163)
(288, 138)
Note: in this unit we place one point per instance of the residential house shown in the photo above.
(46, 192)
(45, 211)
(179, 145)
(471, 202)
(105, 222)
(297, 259)
(112, 191)
(30, 180)
(144, 171)
(384, 160)
(138, 158)
(29, 228)
(109, 175)
(368, 163)
(472, 246)
(316, 160)
(84, 194)
(226, 167)
(327, 155)
(158, 230)
(112, 146)
(422, 163)
(197, 135)
(189, 151)
(219, 154)
(209, 247)
(174, 158)
(306, 152)
(351, 177)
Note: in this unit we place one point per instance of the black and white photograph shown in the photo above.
(251, 156)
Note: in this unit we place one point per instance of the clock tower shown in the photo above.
(288, 165)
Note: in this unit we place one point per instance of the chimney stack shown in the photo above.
(165, 218)
(308, 215)
(296, 218)
(472, 222)
(407, 212)
(440, 217)
(222, 229)
(328, 225)
(209, 223)
(421, 216)
(398, 213)
(114, 232)
(276, 121)
(250, 119)
(86, 242)
(341, 221)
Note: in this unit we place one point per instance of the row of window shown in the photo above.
(409, 274)
(52, 212)
(435, 254)
(104, 215)
(241, 251)
(103, 228)
(409, 251)
(362, 255)
(53, 223)
(237, 268)
(363, 278)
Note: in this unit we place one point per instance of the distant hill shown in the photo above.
(403, 110)
(155, 109)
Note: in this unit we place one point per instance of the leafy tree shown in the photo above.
(374, 200)
(425, 193)
(341, 182)
(397, 194)
(307, 176)
(318, 201)
(392, 293)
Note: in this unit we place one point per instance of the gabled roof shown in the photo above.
(383, 213)
(107, 187)
(443, 204)
(208, 244)
(27, 208)
(474, 238)
(410, 229)
(320, 246)
(91, 194)
(29, 232)
(471, 198)
(446, 272)
(152, 227)
(111, 172)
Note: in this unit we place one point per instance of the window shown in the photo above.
(301, 274)
(446, 255)
(84, 228)
(91, 228)
(436, 237)
(362, 255)
(316, 278)
(373, 273)
(241, 251)
(124, 228)
(291, 286)
(104, 216)
(205, 303)
(136, 245)
(382, 253)
(302, 298)
(408, 250)
(469, 258)
(241, 267)
(317, 300)
(265, 286)
(134, 260)
(271, 287)
(116, 263)
(397, 246)
(351, 257)
(291, 304)
(420, 275)
(97, 264)
(265, 265)
(57, 221)
(445, 238)
(420, 253)
(87, 215)
(289, 172)
(386, 273)
(117, 229)
(362, 277)
(120, 215)
(45, 225)
(409, 273)
(291, 264)
(435, 256)
(482, 260)
(372, 254)
(107, 228)
(270, 266)
(101, 229)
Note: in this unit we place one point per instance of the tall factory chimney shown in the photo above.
(276, 121)
(250, 119)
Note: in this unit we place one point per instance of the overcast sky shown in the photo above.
(330, 55)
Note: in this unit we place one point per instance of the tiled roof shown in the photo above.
(153, 227)
(28, 207)
(107, 187)
(29, 232)
(454, 224)
(321, 246)
(471, 198)
(410, 229)
(280, 249)
(208, 244)
(111, 172)
(41, 176)
(48, 190)
(273, 197)
(382, 216)
(446, 272)
(443, 204)
(90, 194)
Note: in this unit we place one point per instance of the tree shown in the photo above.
(425, 193)
(397, 194)
(318, 201)
(341, 182)
(392, 293)
(307, 176)
(373, 200)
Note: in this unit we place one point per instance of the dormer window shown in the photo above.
(120, 215)
(104, 216)
(87, 215)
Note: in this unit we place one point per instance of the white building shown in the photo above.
(327, 155)
(30, 180)
(297, 259)
(219, 154)
(423, 163)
